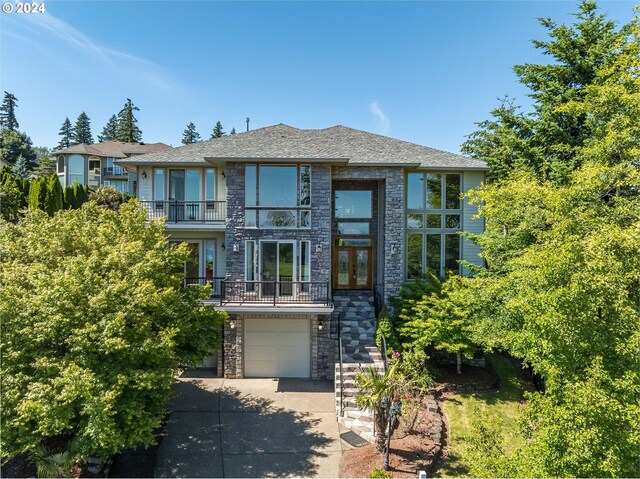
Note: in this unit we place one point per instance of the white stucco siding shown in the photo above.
(470, 250)
(145, 185)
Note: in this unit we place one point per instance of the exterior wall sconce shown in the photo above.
(232, 324)
(318, 248)
(223, 175)
(236, 247)
(144, 175)
(320, 325)
(223, 246)
(394, 249)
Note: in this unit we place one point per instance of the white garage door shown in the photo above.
(277, 348)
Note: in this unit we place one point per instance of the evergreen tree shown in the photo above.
(190, 135)
(10, 198)
(127, 130)
(66, 134)
(20, 168)
(82, 130)
(53, 200)
(546, 141)
(13, 144)
(8, 112)
(217, 131)
(110, 130)
(46, 165)
(233, 131)
(37, 193)
(69, 197)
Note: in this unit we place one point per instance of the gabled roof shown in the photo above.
(338, 144)
(115, 149)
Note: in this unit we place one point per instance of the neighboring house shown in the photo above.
(303, 234)
(93, 165)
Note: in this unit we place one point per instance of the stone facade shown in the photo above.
(392, 197)
(322, 346)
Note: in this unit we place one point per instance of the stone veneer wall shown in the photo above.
(322, 346)
(393, 198)
(318, 234)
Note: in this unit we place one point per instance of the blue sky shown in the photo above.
(419, 71)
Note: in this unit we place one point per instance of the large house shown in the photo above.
(303, 234)
(93, 165)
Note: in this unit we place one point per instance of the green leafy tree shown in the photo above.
(107, 197)
(190, 135)
(127, 130)
(53, 200)
(8, 119)
(546, 141)
(82, 130)
(441, 320)
(110, 130)
(217, 131)
(95, 323)
(66, 135)
(14, 144)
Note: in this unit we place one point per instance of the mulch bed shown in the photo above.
(410, 453)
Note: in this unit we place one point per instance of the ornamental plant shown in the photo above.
(95, 321)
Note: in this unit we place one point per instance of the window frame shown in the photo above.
(425, 230)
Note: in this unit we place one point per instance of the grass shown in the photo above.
(503, 404)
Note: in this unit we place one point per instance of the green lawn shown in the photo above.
(503, 404)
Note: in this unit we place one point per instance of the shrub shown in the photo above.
(378, 473)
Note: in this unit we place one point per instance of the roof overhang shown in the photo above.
(257, 159)
(453, 168)
(129, 163)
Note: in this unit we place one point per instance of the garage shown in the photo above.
(277, 348)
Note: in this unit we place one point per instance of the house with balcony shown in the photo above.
(94, 165)
(303, 235)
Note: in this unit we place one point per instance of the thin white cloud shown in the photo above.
(383, 120)
(45, 26)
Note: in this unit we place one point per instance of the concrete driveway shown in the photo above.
(249, 428)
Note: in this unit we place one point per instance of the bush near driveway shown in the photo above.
(95, 320)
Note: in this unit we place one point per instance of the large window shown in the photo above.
(353, 204)
(434, 219)
(277, 196)
(121, 186)
(76, 169)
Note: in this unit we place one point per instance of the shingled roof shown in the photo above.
(113, 149)
(336, 144)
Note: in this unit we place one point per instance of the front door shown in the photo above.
(352, 267)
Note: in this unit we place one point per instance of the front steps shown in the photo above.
(357, 319)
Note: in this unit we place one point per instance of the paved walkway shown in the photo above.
(249, 428)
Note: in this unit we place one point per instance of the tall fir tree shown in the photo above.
(8, 119)
(233, 131)
(128, 130)
(546, 141)
(21, 167)
(217, 130)
(110, 130)
(82, 130)
(190, 135)
(66, 135)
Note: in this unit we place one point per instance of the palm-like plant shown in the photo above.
(377, 392)
(55, 464)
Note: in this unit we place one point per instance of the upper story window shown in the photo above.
(60, 164)
(114, 169)
(276, 196)
(76, 169)
(434, 219)
(353, 204)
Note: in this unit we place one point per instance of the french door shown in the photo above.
(352, 267)
(277, 264)
(184, 195)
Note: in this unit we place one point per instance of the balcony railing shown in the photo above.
(187, 211)
(114, 171)
(275, 292)
(215, 283)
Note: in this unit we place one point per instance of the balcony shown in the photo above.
(205, 212)
(266, 294)
(114, 171)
